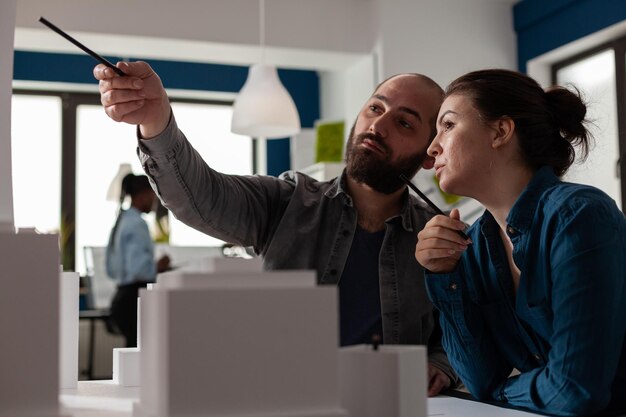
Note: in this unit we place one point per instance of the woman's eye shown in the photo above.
(447, 126)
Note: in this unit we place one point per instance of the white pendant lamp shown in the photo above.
(115, 188)
(263, 107)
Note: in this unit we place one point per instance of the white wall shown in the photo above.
(344, 92)
(331, 25)
(445, 38)
(440, 38)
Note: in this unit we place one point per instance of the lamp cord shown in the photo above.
(262, 29)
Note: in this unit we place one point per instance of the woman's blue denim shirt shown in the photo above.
(564, 328)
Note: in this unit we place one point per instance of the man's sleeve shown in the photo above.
(237, 209)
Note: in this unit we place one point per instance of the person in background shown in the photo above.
(356, 231)
(130, 255)
(541, 286)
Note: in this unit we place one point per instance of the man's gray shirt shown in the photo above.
(297, 222)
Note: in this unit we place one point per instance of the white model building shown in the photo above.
(68, 328)
(389, 381)
(29, 324)
(239, 344)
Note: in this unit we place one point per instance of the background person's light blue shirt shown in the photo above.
(130, 252)
(564, 329)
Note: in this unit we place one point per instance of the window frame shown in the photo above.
(619, 49)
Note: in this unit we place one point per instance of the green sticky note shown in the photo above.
(329, 141)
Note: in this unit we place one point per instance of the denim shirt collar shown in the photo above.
(523, 211)
(339, 187)
(521, 216)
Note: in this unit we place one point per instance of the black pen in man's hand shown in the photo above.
(81, 46)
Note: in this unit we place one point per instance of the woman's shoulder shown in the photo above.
(569, 193)
(567, 199)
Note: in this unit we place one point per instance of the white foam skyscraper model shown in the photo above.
(7, 29)
(29, 280)
(69, 308)
(241, 344)
(29, 324)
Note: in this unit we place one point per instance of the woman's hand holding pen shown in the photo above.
(439, 245)
(137, 98)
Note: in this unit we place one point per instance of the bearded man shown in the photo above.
(358, 231)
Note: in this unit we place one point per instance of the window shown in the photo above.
(102, 145)
(595, 77)
(600, 74)
(36, 161)
(207, 127)
(65, 162)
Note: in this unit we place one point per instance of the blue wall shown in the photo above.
(303, 85)
(544, 25)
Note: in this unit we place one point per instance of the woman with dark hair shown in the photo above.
(130, 255)
(540, 287)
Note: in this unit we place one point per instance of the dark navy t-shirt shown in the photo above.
(359, 293)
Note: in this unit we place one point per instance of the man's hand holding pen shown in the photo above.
(137, 98)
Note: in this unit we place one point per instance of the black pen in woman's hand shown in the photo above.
(81, 46)
(427, 200)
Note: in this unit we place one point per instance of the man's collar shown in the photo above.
(339, 186)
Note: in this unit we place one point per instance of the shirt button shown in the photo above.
(537, 357)
(452, 286)
(510, 230)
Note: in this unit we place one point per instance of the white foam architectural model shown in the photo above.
(29, 324)
(239, 344)
(68, 314)
(126, 361)
(7, 33)
(126, 367)
(390, 381)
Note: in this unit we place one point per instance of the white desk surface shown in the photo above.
(107, 399)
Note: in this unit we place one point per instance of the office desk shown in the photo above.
(104, 398)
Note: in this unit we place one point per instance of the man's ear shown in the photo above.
(504, 128)
(428, 163)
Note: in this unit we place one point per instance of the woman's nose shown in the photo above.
(434, 148)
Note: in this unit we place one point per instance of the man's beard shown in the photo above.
(375, 170)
